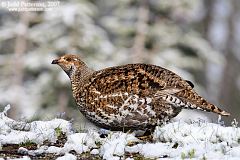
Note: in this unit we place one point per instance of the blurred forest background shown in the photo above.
(198, 39)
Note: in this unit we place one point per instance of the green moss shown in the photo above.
(98, 144)
(28, 144)
(191, 153)
(204, 158)
(183, 156)
(58, 131)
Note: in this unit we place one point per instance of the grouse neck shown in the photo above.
(79, 78)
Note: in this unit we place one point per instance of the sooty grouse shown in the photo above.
(133, 96)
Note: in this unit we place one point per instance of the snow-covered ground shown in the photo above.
(176, 140)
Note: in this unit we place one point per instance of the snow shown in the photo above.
(23, 158)
(67, 156)
(22, 150)
(197, 132)
(175, 140)
(94, 151)
(113, 146)
(79, 148)
(74, 143)
(36, 131)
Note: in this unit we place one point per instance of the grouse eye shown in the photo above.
(68, 59)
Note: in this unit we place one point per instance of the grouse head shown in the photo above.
(70, 63)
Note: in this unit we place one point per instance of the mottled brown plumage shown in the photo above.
(133, 96)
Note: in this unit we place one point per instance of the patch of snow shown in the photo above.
(53, 149)
(23, 158)
(94, 151)
(114, 146)
(176, 140)
(70, 145)
(197, 132)
(151, 150)
(203, 138)
(22, 150)
(79, 148)
(67, 156)
(14, 132)
(41, 150)
(235, 152)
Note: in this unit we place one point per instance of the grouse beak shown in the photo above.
(55, 61)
